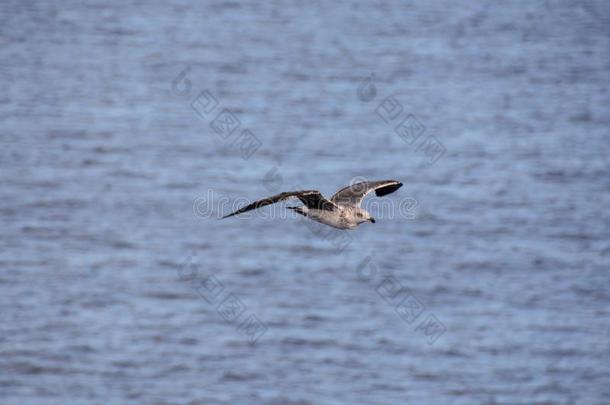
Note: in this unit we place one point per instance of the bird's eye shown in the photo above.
(359, 215)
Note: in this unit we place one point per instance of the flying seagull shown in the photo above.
(342, 211)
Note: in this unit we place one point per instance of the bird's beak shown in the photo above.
(372, 220)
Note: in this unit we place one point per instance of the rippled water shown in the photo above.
(119, 284)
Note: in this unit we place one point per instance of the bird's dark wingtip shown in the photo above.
(390, 188)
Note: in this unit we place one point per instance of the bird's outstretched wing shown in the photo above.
(355, 193)
(311, 198)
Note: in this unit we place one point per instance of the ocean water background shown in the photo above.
(485, 281)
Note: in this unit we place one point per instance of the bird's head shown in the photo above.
(362, 216)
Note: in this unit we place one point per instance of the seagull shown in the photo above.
(342, 211)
